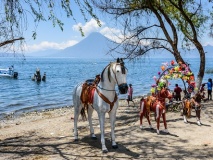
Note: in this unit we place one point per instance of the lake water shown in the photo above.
(23, 94)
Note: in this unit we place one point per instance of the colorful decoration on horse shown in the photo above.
(173, 70)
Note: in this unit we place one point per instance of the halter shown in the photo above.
(100, 94)
(105, 89)
(160, 98)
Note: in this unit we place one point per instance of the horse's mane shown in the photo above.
(120, 61)
(102, 73)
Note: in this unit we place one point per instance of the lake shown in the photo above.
(24, 95)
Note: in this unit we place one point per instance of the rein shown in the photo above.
(107, 100)
(100, 94)
(105, 89)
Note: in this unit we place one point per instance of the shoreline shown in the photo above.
(48, 135)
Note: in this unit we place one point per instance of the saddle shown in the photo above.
(188, 107)
(88, 90)
(149, 102)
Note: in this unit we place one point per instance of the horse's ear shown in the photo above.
(118, 60)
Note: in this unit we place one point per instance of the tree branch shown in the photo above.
(10, 41)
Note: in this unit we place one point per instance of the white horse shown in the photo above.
(104, 100)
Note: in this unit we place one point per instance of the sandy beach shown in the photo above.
(48, 135)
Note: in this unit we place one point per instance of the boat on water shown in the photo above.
(8, 72)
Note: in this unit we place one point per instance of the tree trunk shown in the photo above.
(201, 71)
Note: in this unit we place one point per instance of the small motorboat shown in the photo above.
(8, 72)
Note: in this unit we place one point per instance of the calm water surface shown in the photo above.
(23, 94)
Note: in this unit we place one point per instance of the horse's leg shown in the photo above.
(90, 111)
(141, 120)
(102, 125)
(184, 112)
(198, 110)
(142, 111)
(184, 115)
(158, 115)
(112, 116)
(164, 121)
(148, 119)
(77, 110)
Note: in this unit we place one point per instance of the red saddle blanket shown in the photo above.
(87, 94)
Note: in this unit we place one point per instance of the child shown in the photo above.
(130, 92)
(202, 89)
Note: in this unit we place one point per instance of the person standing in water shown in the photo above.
(130, 93)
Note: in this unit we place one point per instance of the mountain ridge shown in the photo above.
(97, 45)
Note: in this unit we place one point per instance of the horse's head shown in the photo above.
(117, 72)
(165, 93)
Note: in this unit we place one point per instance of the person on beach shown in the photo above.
(130, 93)
(177, 93)
(209, 87)
(202, 90)
(191, 88)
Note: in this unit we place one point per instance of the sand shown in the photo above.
(48, 135)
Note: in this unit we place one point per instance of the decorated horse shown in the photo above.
(190, 101)
(170, 70)
(156, 104)
(101, 97)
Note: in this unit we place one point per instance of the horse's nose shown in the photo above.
(123, 88)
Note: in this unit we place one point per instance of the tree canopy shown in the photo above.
(157, 24)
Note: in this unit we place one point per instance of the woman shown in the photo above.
(130, 92)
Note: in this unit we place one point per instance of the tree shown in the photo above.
(14, 16)
(157, 24)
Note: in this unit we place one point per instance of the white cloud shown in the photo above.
(88, 27)
(49, 45)
(112, 33)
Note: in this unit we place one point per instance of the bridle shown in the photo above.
(165, 94)
(104, 97)
(109, 65)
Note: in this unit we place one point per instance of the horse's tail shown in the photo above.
(83, 112)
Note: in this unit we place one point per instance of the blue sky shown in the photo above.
(49, 37)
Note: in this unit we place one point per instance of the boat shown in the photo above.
(8, 72)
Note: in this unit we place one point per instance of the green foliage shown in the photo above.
(15, 15)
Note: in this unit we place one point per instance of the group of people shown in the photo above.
(37, 76)
(178, 90)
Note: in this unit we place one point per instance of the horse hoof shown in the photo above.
(115, 146)
(199, 124)
(76, 140)
(105, 151)
(94, 138)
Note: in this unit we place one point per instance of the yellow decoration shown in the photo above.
(152, 90)
(176, 68)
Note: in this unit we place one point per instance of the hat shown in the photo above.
(130, 84)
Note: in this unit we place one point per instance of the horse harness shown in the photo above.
(87, 95)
